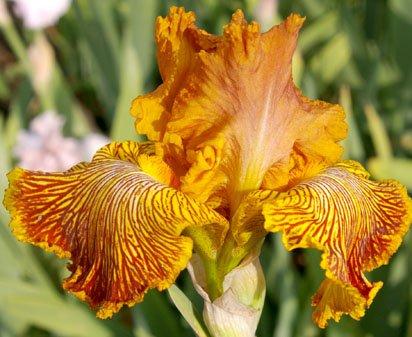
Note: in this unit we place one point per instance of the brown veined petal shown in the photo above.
(357, 223)
(116, 218)
(234, 111)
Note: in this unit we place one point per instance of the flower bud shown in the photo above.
(237, 312)
(42, 59)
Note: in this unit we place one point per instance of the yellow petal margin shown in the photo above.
(116, 218)
(357, 223)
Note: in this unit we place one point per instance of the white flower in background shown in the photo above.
(41, 56)
(91, 143)
(38, 14)
(43, 147)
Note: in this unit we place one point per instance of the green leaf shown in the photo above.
(18, 116)
(315, 8)
(5, 165)
(353, 144)
(17, 45)
(76, 123)
(27, 303)
(332, 58)
(378, 132)
(157, 305)
(4, 89)
(298, 67)
(318, 31)
(352, 76)
(347, 327)
(282, 281)
(402, 8)
(19, 260)
(131, 84)
(141, 18)
(386, 315)
(99, 45)
(392, 168)
(141, 325)
(188, 311)
(137, 56)
(387, 74)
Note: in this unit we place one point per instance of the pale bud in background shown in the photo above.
(4, 14)
(266, 12)
(237, 312)
(41, 56)
(38, 14)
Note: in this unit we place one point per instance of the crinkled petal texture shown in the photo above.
(118, 219)
(249, 218)
(228, 111)
(357, 223)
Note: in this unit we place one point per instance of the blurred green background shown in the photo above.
(356, 53)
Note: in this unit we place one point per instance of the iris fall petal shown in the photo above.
(357, 223)
(117, 218)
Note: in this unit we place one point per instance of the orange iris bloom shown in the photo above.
(235, 151)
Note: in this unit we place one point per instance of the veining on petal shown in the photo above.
(357, 223)
(119, 223)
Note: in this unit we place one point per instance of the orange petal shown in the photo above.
(247, 223)
(116, 218)
(357, 223)
(232, 107)
(176, 48)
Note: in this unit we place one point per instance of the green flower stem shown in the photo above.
(218, 262)
(213, 278)
(17, 46)
(20, 50)
(229, 257)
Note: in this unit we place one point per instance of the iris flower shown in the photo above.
(234, 152)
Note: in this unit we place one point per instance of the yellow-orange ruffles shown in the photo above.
(118, 218)
(228, 112)
(357, 223)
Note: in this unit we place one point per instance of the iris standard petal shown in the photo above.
(116, 218)
(176, 44)
(357, 223)
(229, 104)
